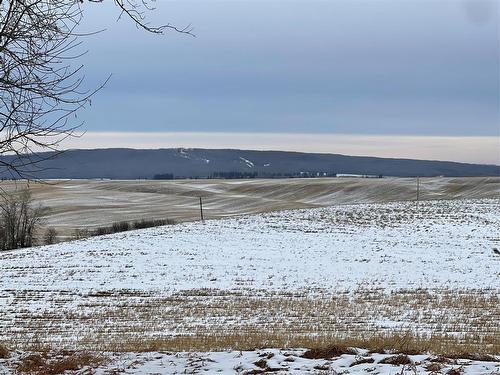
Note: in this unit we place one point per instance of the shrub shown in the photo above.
(81, 233)
(50, 237)
(328, 352)
(122, 226)
(141, 224)
(101, 231)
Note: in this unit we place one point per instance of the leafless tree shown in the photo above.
(19, 219)
(41, 83)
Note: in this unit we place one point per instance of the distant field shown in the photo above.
(78, 204)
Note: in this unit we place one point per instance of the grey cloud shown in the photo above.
(368, 67)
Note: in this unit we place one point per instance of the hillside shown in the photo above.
(199, 163)
(87, 204)
(420, 279)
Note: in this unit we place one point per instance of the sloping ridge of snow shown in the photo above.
(392, 246)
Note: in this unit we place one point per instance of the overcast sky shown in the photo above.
(353, 67)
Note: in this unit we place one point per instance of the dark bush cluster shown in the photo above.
(141, 224)
(50, 236)
(163, 176)
(123, 226)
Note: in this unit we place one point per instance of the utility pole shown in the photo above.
(201, 210)
(418, 188)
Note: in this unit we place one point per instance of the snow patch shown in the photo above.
(247, 162)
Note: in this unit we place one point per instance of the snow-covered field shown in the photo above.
(286, 279)
(438, 244)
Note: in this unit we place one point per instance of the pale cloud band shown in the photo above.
(463, 149)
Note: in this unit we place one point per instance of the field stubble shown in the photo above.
(412, 321)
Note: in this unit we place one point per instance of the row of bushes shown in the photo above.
(122, 226)
(50, 236)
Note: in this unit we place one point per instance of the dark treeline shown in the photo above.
(234, 175)
(248, 175)
(124, 226)
(163, 176)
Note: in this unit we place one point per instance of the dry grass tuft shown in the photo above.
(434, 367)
(455, 371)
(323, 367)
(397, 360)
(58, 363)
(4, 352)
(75, 362)
(441, 359)
(31, 364)
(360, 361)
(262, 363)
(328, 352)
(473, 357)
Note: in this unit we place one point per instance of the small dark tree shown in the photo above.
(50, 237)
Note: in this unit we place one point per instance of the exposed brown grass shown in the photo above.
(47, 363)
(31, 364)
(327, 352)
(397, 360)
(361, 360)
(4, 352)
(455, 371)
(384, 343)
(472, 356)
(262, 363)
(434, 367)
(208, 320)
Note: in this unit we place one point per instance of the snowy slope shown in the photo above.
(392, 246)
(328, 272)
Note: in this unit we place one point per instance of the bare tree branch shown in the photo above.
(41, 90)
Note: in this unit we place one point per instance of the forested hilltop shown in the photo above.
(227, 163)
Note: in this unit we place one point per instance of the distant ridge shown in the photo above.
(121, 163)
